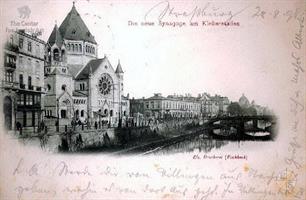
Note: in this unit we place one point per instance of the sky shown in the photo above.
(228, 61)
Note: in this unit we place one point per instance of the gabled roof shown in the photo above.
(74, 69)
(55, 37)
(74, 28)
(91, 67)
(67, 94)
(119, 69)
(55, 71)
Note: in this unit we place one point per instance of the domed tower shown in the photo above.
(80, 43)
(243, 101)
(58, 80)
(56, 53)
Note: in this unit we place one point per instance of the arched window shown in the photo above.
(105, 111)
(56, 55)
(30, 82)
(76, 47)
(111, 113)
(77, 113)
(63, 114)
(63, 54)
(64, 87)
(49, 87)
(82, 86)
(82, 113)
(80, 47)
(124, 113)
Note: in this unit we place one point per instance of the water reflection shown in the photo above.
(200, 144)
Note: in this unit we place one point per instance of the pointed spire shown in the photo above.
(74, 28)
(119, 68)
(73, 9)
(55, 37)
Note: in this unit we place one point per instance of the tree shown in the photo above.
(250, 111)
(234, 109)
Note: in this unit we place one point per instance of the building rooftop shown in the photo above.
(119, 68)
(91, 67)
(80, 93)
(74, 28)
(55, 37)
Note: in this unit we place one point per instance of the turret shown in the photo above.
(119, 70)
(119, 73)
(56, 50)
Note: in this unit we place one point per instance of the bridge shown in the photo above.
(238, 127)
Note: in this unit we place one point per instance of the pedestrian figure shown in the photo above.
(44, 138)
(79, 141)
(18, 126)
(64, 146)
(106, 140)
(42, 125)
(46, 130)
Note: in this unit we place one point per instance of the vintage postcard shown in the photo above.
(156, 99)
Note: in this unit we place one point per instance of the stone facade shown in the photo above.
(23, 81)
(160, 107)
(80, 86)
(213, 105)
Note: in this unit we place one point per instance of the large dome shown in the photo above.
(243, 101)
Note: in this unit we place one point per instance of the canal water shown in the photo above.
(198, 143)
(202, 144)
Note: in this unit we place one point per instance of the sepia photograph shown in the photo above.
(183, 99)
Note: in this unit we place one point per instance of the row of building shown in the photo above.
(179, 106)
(63, 81)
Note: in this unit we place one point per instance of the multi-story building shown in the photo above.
(172, 106)
(81, 86)
(213, 105)
(23, 81)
